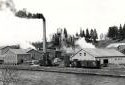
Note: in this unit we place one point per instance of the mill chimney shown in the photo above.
(44, 35)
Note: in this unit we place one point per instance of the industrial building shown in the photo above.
(105, 56)
(16, 56)
(9, 55)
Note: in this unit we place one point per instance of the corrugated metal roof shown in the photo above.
(103, 52)
(19, 51)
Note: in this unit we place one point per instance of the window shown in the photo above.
(84, 54)
(80, 54)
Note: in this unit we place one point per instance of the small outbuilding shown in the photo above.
(35, 55)
(52, 53)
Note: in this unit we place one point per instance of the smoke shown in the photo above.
(83, 44)
(80, 43)
(21, 13)
(7, 4)
(26, 45)
(11, 39)
(24, 14)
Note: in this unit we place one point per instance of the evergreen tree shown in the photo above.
(73, 41)
(116, 32)
(124, 31)
(91, 35)
(113, 32)
(110, 33)
(56, 39)
(83, 33)
(87, 37)
(121, 33)
(95, 36)
(87, 33)
(65, 33)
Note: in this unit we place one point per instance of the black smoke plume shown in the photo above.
(28, 15)
(21, 13)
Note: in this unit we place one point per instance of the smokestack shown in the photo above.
(44, 36)
(24, 14)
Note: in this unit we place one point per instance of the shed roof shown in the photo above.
(19, 51)
(102, 52)
(1, 47)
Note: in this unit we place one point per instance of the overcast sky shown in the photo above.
(72, 14)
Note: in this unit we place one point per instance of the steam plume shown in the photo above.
(83, 44)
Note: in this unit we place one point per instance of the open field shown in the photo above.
(116, 72)
(27, 75)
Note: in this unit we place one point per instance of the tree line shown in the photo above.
(116, 33)
(90, 36)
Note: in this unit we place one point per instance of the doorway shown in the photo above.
(105, 62)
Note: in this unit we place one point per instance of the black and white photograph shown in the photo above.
(62, 42)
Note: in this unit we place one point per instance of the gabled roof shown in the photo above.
(19, 51)
(102, 52)
(29, 50)
(1, 47)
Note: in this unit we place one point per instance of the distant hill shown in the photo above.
(105, 43)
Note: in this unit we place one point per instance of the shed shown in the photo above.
(16, 56)
(36, 55)
(52, 53)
